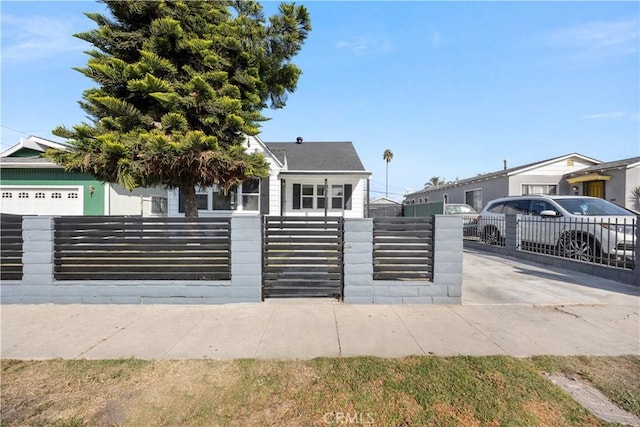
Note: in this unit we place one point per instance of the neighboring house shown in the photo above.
(543, 177)
(384, 207)
(32, 185)
(613, 181)
(305, 179)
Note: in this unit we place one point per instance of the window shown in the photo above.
(211, 198)
(221, 201)
(203, 198)
(337, 196)
(473, 198)
(312, 196)
(158, 205)
(528, 189)
(307, 197)
(538, 206)
(56, 195)
(7, 195)
(517, 207)
(251, 195)
(320, 196)
(497, 207)
(23, 195)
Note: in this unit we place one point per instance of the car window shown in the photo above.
(584, 206)
(518, 207)
(538, 206)
(496, 207)
(459, 209)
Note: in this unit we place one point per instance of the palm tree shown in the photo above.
(387, 156)
(634, 198)
(436, 181)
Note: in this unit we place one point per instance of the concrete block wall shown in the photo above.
(38, 285)
(445, 288)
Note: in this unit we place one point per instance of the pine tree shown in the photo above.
(179, 86)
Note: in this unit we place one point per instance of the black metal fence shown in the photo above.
(599, 240)
(490, 230)
(592, 240)
(122, 248)
(403, 248)
(10, 247)
(302, 257)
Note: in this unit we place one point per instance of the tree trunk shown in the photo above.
(190, 201)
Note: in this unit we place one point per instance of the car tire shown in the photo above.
(579, 247)
(491, 236)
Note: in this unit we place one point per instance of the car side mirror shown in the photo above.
(549, 214)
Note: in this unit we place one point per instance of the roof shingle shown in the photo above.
(317, 156)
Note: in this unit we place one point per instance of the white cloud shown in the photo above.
(597, 41)
(37, 37)
(366, 45)
(613, 115)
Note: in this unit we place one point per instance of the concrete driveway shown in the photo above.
(493, 280)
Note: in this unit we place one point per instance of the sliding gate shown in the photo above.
(302, 257)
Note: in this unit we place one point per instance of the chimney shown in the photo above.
(505, 164)
(299, 140)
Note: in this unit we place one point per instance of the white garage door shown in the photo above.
(27, 200)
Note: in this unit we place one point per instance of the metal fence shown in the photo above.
(490, 230)
(302, 256)
(593, 240)
(121, 248)
(403, 248)
(599, 240)
(11, 247)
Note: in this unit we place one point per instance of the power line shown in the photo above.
(15, 130)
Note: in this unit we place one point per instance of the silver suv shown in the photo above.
(578, 227)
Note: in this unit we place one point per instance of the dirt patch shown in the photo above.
(544, 413)
(448, 413)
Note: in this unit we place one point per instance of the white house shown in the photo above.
(305, 179)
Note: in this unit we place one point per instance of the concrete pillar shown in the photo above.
(358, 260)
(246, 259)
(447, 258)
(512, 233)
(37, 259)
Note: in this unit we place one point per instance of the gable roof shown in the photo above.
(505, 172)
(383, 201)
(317, 156)
(32, 143)
(617, 164)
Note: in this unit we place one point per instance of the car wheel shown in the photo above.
(491, 235)
(578, 247)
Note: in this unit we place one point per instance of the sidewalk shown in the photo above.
(582, 319)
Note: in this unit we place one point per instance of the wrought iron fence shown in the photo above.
(470, 227)
(593, 240)
(490, 230)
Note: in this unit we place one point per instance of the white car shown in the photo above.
(578, 227)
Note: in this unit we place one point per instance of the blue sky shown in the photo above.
(452, 88)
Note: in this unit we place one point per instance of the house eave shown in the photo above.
(30, 165)
(363, 174)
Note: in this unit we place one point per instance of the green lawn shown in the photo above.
(451, 391)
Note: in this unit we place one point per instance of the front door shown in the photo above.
(594, 189)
